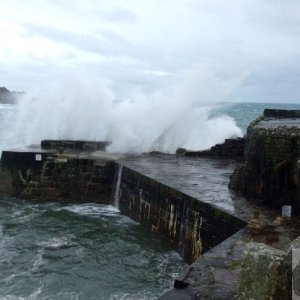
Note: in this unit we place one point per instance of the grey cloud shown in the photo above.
(257, 38)
(108, 43)
(96, 9)
(276, 17)
(118, 15)
(81, 41)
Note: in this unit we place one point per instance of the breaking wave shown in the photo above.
(179, 115)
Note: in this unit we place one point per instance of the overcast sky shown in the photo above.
(145, 44)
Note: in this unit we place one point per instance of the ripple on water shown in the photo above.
(57, 243)
(82, 251)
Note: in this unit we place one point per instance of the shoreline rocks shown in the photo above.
(8, 97)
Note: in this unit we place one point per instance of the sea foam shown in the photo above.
(78, 107)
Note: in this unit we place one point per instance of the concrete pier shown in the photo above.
(183, 199)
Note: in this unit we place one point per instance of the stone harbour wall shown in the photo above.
(271, 172)
(192, 226)
(56, 177)
(74, 145)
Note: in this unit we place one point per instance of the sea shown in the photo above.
(89, 251)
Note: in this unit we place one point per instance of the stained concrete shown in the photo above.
(205, 179)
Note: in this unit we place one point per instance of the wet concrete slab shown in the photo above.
(31, 149)
(205, 179)
(279, 123)
(216, 274)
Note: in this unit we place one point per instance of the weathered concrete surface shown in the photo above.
(267, 273)
(192, 226)
(20, 166)
(230, 149)
(205, 179)
(5, 183)
(216, 274)
(74, 145)
(271, 172)
(260, 273)
(36, 173)
(281, 113)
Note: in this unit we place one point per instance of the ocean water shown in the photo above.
(82, 251)
(88, 251)
(244, 113)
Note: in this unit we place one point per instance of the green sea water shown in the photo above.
(244, 113)
(82, 251)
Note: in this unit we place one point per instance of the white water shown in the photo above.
(117, 190)
(177, 115)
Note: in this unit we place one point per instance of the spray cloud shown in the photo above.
(81, 108)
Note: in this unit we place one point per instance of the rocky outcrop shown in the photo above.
(230, 149)
(7, 97)
(271, 172)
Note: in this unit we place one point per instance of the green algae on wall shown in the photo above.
(191, 226)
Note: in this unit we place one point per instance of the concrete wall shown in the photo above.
(192, 226)
(56, 177)
(271, 171)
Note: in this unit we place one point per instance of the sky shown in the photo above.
(140, 46)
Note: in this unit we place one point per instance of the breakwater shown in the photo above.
(270, 172)
(182, 198)
(77, 175)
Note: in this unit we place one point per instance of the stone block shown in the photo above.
(261, 274)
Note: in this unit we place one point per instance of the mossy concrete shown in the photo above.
(193, 227)
(271, 170)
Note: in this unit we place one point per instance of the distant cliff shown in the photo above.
(8, 97)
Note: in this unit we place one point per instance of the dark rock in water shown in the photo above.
(181, 151)
(230, 149)
(155, 152)
(3, 90)
(8, 97)
(272, 160)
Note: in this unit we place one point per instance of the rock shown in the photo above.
(295, 244)
(231, 148)
(261, 274)
(256, 223)
(8, 97)
(180, 151)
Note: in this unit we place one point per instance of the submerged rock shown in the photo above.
(8, 97)
(230, 149)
